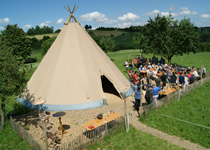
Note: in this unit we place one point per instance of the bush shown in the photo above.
(46, 45)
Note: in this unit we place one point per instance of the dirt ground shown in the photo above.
(72, 120)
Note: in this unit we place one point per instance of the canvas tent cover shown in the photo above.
(69, 75)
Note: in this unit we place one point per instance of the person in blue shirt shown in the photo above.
(155, 91)
(181, 79)
(137, 96)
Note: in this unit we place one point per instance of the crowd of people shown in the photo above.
(153, 75)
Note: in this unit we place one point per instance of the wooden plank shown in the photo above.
(97, 123)
(168, 91)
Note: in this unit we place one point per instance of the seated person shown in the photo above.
(192, 79)
(173, 79)
(181, 79)
(195, 73)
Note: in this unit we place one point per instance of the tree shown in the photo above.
(90, 27)
(58, 31)
(12, 77)
(86, 27)
(16, 41)
(167, 37)
(106, 44)
(46, 45)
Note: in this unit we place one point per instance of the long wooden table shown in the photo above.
(168, 91)
(99, 122)
(144, 73)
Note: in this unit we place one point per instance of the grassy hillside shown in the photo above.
(39, 37)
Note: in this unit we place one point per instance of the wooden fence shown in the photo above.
(80, 142)
(174, 96)
(90, 137)
(24, 134)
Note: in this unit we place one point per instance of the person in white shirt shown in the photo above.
(126, 65)
(149, 66)
(140, 68)
(195, 73)
(203, 71)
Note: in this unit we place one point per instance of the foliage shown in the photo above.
(205, 34)
(37, 30)
(87, 27)
(133, 140)
(12, 73)
(58, 31)
(139, 41)
(167, 37)
(15, 39)
(12, 77)
(205, 46)
(46, 45)
(194, 107)
(106, 44)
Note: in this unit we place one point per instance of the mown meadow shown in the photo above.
(187, 118)
(132, 140)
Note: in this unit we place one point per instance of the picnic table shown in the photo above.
(95, 123)
(159, 74)
(167, 91)
(144, 73)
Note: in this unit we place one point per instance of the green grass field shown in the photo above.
(193, 108)
(133, 140)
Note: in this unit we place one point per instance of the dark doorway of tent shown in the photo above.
(108, 87)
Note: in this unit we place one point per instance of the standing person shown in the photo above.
(163, 79)
(135, 78)
(130, 64)
(157, 82)
(126, 65)
(149, 81)
(173, 79)
(135, 62)
(155, 91)
(149, 95)
(203, 71)
(137, 96)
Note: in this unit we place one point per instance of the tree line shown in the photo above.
(41, 30)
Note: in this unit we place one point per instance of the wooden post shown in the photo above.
(45, 134)
(201, 76)
(179, 94)
(106, 130)
(125, 109)
(141, 98)
(38, 110)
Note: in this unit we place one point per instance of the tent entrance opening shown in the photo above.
(108, 87)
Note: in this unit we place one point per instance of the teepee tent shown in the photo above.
(74, 73)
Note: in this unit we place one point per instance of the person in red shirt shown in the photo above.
(135, 78)
(135, 61)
